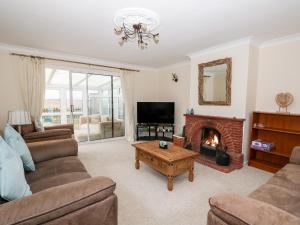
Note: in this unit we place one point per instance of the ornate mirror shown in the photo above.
(215, 82)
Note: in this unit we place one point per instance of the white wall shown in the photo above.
(145, 87)
(10, 94)
(177, 92)
(278, 71)
(250, 97)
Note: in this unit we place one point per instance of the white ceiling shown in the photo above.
(85, 27)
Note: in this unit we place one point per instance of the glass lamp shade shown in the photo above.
(19, 117)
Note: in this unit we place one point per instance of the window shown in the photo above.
(87, 101)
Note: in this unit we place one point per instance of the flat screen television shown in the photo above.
(155, 112)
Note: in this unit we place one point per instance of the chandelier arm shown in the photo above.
(129, 34)
(128, 28)
(148, 35)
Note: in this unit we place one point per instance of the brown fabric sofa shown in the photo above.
(55, 132)
(275, 203)
(99, 126)
(63, 191)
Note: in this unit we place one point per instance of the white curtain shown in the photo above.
(31, 74)
(127, 84)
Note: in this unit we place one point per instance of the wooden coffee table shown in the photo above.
(170, 162)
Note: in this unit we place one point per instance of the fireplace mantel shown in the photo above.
(231, 130)
(215, 117)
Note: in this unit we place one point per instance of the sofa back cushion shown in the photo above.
(95, 118)
(105, 118)
(282, 190)
(16, 142)
(13, 184)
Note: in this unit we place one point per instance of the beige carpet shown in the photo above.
(143, 195)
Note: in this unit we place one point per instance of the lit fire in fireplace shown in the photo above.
(212, 140)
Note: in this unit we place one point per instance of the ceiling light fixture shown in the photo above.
(136, 23)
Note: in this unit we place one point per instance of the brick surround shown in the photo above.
(231, 130)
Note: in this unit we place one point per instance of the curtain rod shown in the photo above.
(71, 61)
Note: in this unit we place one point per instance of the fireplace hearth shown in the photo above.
(209, 134)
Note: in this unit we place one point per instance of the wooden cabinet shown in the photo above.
(281, 129)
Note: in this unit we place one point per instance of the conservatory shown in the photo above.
(92, 102)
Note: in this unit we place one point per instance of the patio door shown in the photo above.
(92, 102)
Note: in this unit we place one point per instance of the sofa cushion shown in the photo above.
(12, 180)
(288, 177)
(66, 201)
(48, 134)
(17, 143)
(295, 156)
(48, 150)
(57, 180)
(105, 118)
(56, 172)
(238, 210)
(95, 118)
(282, 190)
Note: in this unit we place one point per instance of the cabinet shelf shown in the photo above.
(274, 153)
(265, 165)
(154, 132)
(278, 130)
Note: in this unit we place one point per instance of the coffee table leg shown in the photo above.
(137, 162)
(191, 172)
(170, 183)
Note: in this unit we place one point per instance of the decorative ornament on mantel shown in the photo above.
(283, 100)
(136, 23)
(174, 77)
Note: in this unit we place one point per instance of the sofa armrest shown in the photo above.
(295, 156)
(235, 210)
(47, 150)
(54, 203)
(48, 135)
(61, 126)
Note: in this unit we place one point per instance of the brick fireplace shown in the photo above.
(231, 131)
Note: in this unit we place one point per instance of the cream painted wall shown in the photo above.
(145, 87)
(177, 92)
(10, 94)
(278, 71)
(250, 98)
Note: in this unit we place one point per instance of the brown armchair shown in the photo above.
(30, 134)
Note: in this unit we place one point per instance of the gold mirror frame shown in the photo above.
(201, 67)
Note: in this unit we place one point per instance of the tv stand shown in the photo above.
(148, 131)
